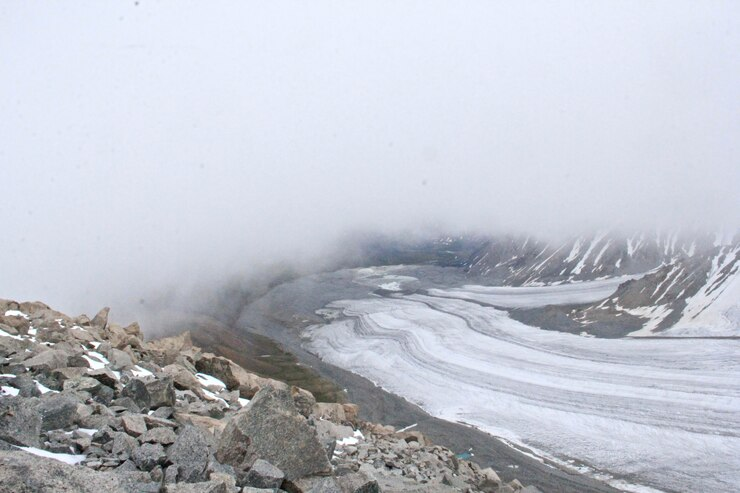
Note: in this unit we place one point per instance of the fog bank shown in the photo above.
(161, 145)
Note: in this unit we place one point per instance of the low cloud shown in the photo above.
(147, 146)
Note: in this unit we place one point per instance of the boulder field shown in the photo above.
(88, 406)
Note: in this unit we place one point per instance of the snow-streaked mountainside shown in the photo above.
(679, 283)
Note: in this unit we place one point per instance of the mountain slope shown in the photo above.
(687, 282)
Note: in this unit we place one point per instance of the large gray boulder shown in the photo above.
(21, 472)
(137, 390)
(190, 454)
(48, 360)
(271, 428)
(124, 445)
(149, 456)
(161, 392)
(25, 385)
(9, 347)
(20, 421)
(58, 411)
(119, 359)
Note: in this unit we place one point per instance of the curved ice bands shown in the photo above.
(663, 413)
(533, 296)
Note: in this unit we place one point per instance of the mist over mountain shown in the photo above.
(146, 152)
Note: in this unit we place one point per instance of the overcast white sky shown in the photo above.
(140, 141)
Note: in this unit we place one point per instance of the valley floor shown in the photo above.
(651, 413)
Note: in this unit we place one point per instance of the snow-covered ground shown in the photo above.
(531, 297)
(715, 309)
(663, 413)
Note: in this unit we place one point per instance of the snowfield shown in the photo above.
(532, 297)
(660, 413)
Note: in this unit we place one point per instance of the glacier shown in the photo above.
(642, 414)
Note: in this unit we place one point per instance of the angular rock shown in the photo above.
(315, 485)
(250, 384)
(81, 443)
(490, 482)
(154, 422)
(23, 472)
(84, 336)
(211, 425)
(149, 456)
(48, 360)
(8, 329)
(218, 367)
(326, 430)
(358, 483)
(271, 428)
(57, 411)
(190, 453)
(331, 411)
(163, 412)
(124, 445)
(77, 361)
(304, 400)
(218, 486)
(119, 339)
(20, 421)
(170, 474)
(161, 392)
(100, 321)
(515, 485)
(351, 412)
(127, 466)
(262, 474)
(162, 435)
(181, 377)
(60, 375)
(227, 478)
(165, 351)
(104, 376)
(82, 384)
(134, 424)
(26, 386)
(126, 403)
(119, 359)
(137, 390)
(328, 434)
(133, 329)
(97, 421)
(10, 347)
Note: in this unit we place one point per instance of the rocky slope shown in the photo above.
(89, 406)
